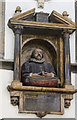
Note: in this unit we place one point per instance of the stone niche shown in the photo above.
(51, 33)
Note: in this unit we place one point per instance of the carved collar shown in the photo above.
(37, 61)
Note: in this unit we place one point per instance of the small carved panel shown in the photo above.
(41, 102)
(40, 17)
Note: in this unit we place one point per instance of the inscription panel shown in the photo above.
(41, 102)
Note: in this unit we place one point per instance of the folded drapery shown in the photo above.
(42, 81)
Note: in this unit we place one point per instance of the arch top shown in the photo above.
(48, 47)
(38, 40)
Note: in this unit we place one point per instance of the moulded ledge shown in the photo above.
(42, 89)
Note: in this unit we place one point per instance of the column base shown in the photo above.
(70, 87)
(16, 83)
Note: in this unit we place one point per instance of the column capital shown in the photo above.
(17, 29)
(66, 33)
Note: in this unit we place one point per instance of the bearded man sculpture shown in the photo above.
(37, 72)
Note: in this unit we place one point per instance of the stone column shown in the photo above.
(67, 58)
(17, 53)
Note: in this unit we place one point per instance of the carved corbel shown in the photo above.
(67, 100)
(41, 114)
(67, 103)
(14, 101)
(14, 96)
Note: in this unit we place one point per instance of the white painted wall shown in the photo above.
(6, 77)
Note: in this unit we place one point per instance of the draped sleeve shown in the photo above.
(49, 68)
(25, 70)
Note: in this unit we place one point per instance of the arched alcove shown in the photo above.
(48, 48)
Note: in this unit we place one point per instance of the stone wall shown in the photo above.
(2, 27)
(6, 76)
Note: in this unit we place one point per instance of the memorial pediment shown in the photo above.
(44, 20)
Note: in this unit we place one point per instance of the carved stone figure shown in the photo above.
(37, 72)
(40, 3)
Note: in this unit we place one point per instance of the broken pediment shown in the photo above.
(62, 19)
(44, 20)
(23, 16)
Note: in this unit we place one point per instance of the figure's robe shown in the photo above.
(35, 67)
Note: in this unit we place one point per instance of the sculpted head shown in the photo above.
(37, 54)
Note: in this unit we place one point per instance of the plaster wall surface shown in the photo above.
(6, 76)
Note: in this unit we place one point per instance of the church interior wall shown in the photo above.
(6, 76)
